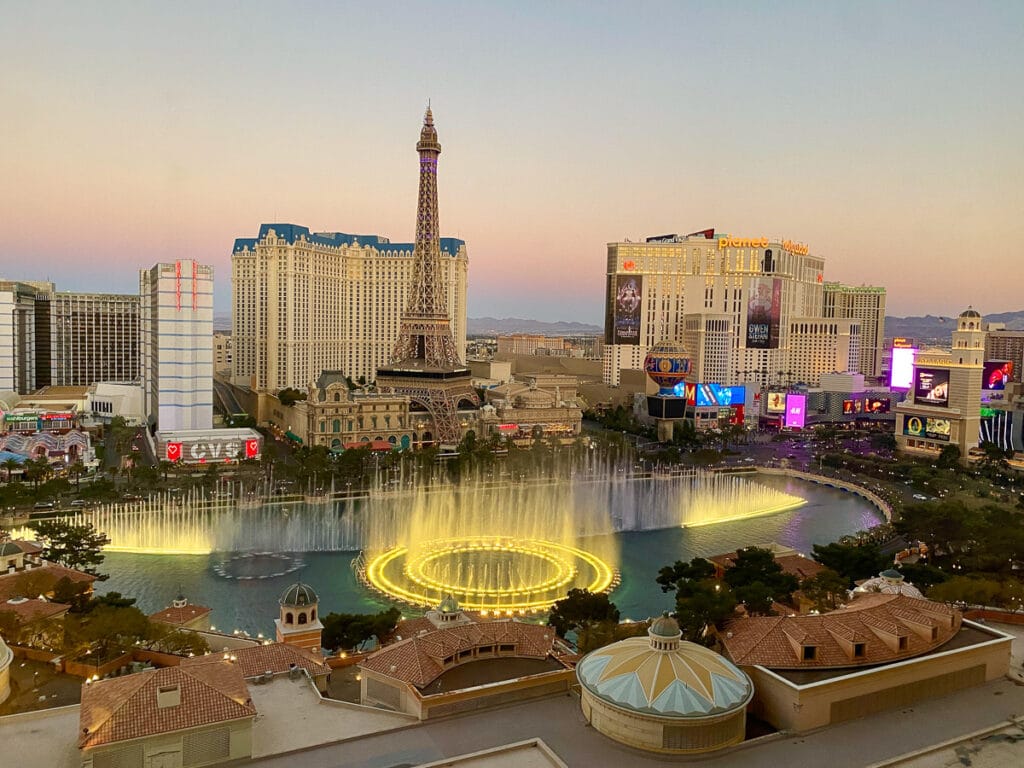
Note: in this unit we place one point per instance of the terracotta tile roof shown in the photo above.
(419, 660)
(51, 574)
(34, 609)
(276, 658)
(126, 707)
(409, 627)
(27, 547)
(877, 620)
(792, 562)
(179, 616)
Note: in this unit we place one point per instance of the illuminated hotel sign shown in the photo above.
(761, 242)
(900, 342)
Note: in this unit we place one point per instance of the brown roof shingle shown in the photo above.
(48, 575)
(179, 616)
(275, 657)
(419, 660)
(126, 707)
(876, 620)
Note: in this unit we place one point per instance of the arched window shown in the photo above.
(336, 425)
(323, 426)
(302, 618)
(337, 397)
(312, 615)
(288, 618)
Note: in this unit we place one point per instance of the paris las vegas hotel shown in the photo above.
(749, 310)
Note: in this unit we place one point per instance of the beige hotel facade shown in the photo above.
(738, 304)
(305, 302)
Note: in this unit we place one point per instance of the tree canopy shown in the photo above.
(852, 561)
(349, 630)
(579, 608)
(71, 545)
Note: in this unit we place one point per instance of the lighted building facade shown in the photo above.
(17, 337)
(943, 407)
(866, 305)
(531, 343)
(176, 344)
(732, 301)
(305, 302)
(1002, 344)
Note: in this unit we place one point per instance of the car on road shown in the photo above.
(920, 497)
(78, 503)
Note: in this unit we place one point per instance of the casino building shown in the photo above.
(943, 405)
(745, 308)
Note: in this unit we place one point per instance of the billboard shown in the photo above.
(796, 411)
(764, 310)
(776, 402)
(901, 375)
(852, 407)
(933, 429)
(997, 374)
(626, 322)
(931, 386)
(877, 404)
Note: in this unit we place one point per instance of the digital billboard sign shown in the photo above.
(764, 310)
(933, 429)
(851, 407)
(877, 404)
(901, 374)
(776, 402)
(997, 374)
(626, 322)
(796, 411)
(931, 386)
(710, 395)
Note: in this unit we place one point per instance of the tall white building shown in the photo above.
(307, 302)
(176, 344)
(731, 300)
(17, 337)
(866, 305)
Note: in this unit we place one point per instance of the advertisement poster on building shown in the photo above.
(902, 373)
(764, 310)
(628, 295)
(933, 429)
(776, 402)
(931, 386)
(997, 374)
(796, 411)
(877, 404)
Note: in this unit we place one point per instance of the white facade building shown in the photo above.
(177, 344)
(306, 302)
(17, 337)
(732, 302)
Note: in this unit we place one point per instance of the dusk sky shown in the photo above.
(887, 136)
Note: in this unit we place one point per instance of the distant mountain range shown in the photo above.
(492, 326)
(938, 330)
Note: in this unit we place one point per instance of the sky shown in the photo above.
(887, 136)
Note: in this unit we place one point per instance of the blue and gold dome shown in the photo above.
(667, 364)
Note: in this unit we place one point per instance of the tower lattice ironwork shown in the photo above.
(425, 362)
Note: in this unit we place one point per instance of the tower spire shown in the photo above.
(425, 360)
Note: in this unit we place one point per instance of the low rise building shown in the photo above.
(189, 715)
(204, 446)
(182, 614)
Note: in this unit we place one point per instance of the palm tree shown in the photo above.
(76, 470)
(9, 466)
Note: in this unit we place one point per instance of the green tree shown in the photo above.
(701, 605)
(922, 575)
(181, 642)
(73, 546)
(109, 630)
(852, 561)
(949, 457)
(10, 466)
(756, 566)
(579, 608)
(598, 634)
(290, 396)
(349, 630)
(73, 593)
(966, 590)
(671, 576)
(826, 590)
(948, 527)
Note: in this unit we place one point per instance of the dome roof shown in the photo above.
(970, 312)
(299, 594)
(535, 398)
(689, 681)
(665, 626)
(889, 582)
(449, 604)
(9, 548)
(667, 364)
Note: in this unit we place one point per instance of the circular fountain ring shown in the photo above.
(494, 575)
(281, 565)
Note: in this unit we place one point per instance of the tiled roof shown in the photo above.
(9, 581)
(126, 707)
(180, 616)
(276, 658)
(28, 547)
(34, 609)
(792, 562)
(876, 620)
(419, 660)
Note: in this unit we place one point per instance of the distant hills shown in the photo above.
(492, 326)
(938, 330)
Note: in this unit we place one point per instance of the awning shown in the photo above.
(292, 436)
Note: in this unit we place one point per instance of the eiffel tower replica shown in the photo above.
(425, 364)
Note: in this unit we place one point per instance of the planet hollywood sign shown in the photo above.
(202, 451)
